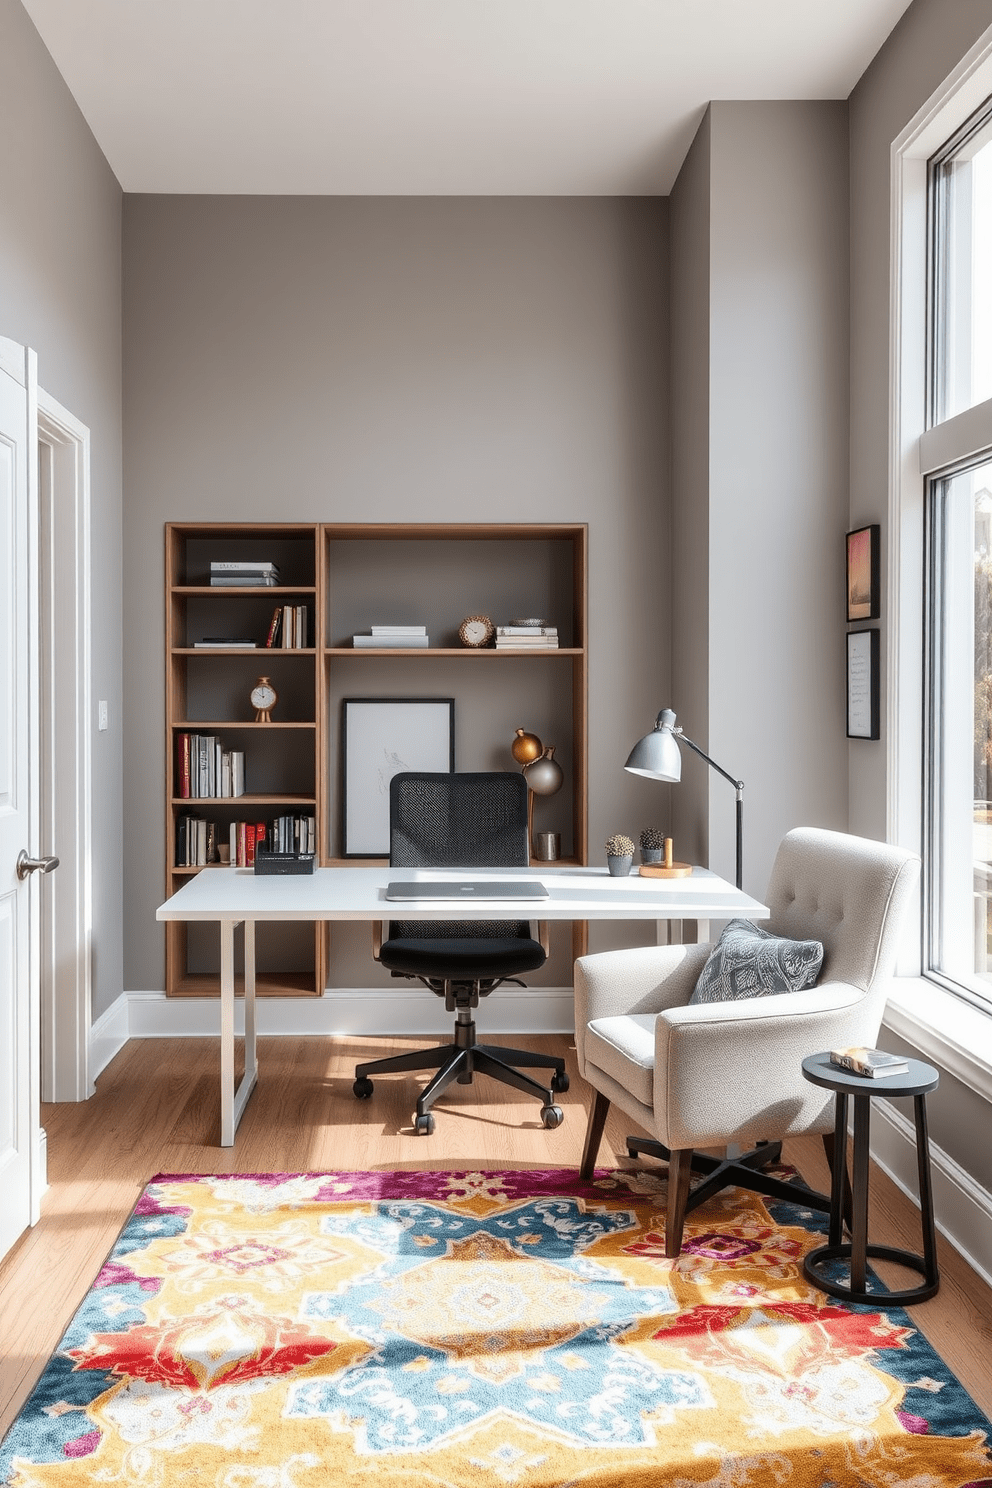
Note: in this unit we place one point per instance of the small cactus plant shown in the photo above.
(652, 839)
(619, 846)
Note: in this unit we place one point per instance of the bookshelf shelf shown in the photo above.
(461, 652)
(232, 591)
(349, 577)
(267, 653)
(230, 725)
(202, 802)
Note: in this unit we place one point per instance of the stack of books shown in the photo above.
(289, 628)
(205, 768)
(526, 638)
(243, 574)
(390, 636)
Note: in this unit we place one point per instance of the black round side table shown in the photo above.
(917, 1082)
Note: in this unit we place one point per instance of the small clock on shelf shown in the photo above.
(263, 700)
(476, 631)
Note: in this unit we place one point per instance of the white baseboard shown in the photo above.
(350, 1010)
(109, 1034)
(963, 1208)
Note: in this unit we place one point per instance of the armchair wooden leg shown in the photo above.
(829, 1144)
(594, 1134)
(679, 1171)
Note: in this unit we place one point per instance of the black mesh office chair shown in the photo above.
(462, 821)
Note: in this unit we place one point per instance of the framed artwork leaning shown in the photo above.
(380, 737)
(863, 573)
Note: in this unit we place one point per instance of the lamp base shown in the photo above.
(658, 870)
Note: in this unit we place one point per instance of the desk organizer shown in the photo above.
(285, 863)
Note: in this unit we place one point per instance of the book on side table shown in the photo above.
(869, 1062)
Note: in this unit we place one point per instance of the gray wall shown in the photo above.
(396, 359)
(927, 44)
(690, 383)
(60, 292)
(760, 438)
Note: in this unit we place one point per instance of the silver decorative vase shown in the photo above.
(620, 867)
(544, 776)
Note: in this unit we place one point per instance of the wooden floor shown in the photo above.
(156, 1110)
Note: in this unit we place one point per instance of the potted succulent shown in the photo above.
(619, 854)
(652, 845)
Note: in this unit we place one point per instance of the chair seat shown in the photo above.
(462, 960)
(623, 1047)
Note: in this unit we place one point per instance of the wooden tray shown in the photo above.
(658, 870)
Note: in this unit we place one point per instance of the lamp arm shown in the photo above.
(737, 784)
(738, 787)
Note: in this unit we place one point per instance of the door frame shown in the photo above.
(66, 801)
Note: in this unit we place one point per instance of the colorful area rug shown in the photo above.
(461, 1330)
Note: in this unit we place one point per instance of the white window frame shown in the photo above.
(936, 1021)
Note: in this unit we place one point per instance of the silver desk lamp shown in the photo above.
(657, 755)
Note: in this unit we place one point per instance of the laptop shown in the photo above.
(479, 891)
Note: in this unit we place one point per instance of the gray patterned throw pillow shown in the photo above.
(749, 962)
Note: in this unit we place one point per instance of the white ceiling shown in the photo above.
(435, 97)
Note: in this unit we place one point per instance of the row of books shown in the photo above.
(526, 638)
(205, 768)
(289, 627)
(244, 575)
(198, 841)
(389, 636)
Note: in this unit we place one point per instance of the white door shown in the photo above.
(19, 916)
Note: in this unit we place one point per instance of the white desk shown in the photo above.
(233, 896)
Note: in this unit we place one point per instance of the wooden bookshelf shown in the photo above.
(352, 576)
(208, 693)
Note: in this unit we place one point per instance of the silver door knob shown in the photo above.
(27, 866)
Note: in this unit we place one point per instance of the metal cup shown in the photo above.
(547, 846)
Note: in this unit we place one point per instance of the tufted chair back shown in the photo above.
(848, 892)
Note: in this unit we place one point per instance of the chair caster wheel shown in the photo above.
(363, 1087)
(424, 1125)
(552, 1116)
(559, 1082)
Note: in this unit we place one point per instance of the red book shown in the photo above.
(259, 834)
(182, 765)
(249, 844)
(274, 625)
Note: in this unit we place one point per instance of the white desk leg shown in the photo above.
(250, 1075)
(233, 1102)
(682, 932)
(227, 1122)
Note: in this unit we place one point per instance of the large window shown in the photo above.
(958, 612)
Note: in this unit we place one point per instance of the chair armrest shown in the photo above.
(642, 980)
(731, 1069)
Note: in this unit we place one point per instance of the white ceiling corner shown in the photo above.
(435, 97)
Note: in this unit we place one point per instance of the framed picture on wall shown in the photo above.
(380, 737)
(863, 574)
(862, 684)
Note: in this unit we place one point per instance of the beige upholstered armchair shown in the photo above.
(711, 1075)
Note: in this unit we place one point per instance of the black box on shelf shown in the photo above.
(284, 862)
